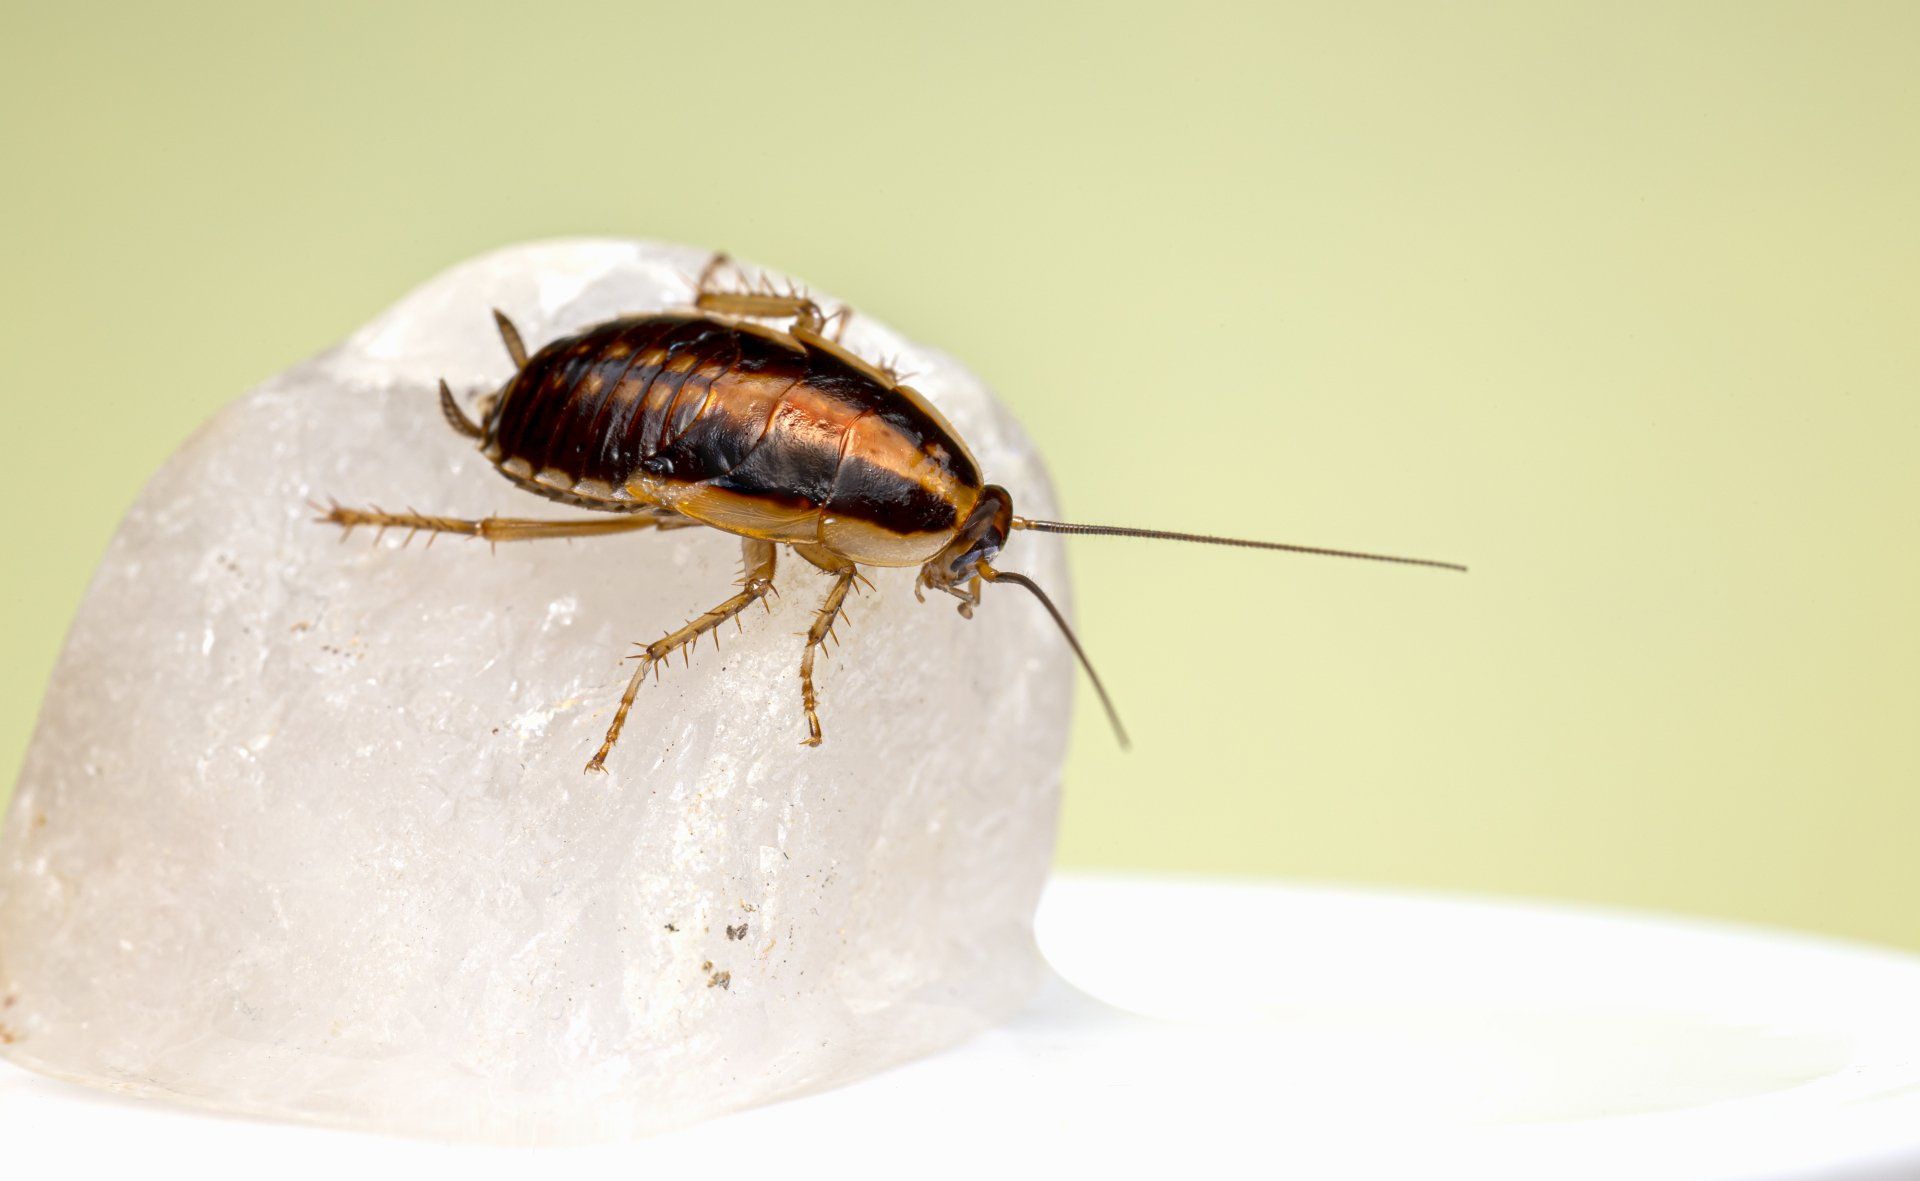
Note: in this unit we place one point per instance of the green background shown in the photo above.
(1618, 302)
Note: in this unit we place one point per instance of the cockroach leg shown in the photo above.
(822, 558)
(845, 574)
(759, 556)
(844, 316)
(803, 311)
(817, 636)
(767, 305)
(497, 529)
(705, 283)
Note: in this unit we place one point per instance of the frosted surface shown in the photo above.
(304, 831)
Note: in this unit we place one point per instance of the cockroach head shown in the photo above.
(978, 541)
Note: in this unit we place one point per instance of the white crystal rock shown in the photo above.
(304, 832)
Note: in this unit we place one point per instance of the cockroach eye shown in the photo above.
(985, 533)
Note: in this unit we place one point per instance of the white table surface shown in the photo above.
(1266, 1030)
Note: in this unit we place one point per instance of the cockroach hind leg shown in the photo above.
(491, 529)
(330, 513)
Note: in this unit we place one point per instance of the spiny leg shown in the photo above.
(804, 311)
(498, 529)
(844, 314)
(710, 272)
(757, 584)
(809, 325)
(844, 574)
(769, 304)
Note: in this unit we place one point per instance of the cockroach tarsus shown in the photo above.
(782, 437)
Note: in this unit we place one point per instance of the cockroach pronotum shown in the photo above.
(711, 417)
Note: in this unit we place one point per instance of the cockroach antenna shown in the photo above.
(991, 575)
(1207, 539)
(1113, 715)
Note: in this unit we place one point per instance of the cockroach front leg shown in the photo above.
(498, 529)
(758, 584)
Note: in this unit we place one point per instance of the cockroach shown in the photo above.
(781, 436)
